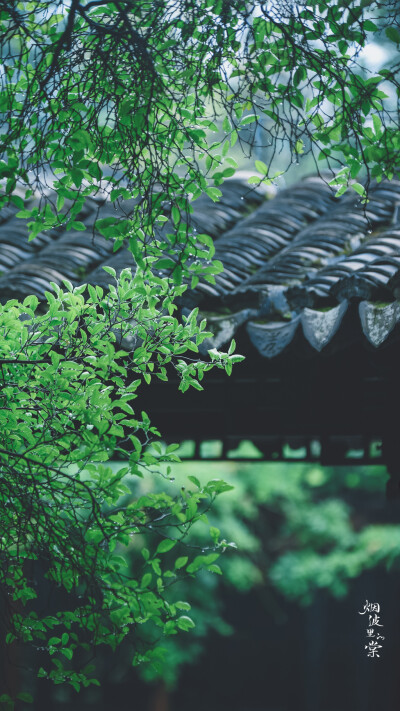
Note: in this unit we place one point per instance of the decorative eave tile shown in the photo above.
(224, 327)
(271, 338)
(319, 327)
(378, 321)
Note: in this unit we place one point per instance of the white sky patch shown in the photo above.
(373, 56)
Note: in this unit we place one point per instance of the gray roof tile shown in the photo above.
(293, 263)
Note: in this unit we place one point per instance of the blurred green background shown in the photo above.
(279, 629)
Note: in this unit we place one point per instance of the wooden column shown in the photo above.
(159, 698)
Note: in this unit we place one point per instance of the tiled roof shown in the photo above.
(54, 255)
(301, 269)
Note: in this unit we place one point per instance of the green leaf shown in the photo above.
(214, 568)
(165, 263)
(81, 138)
(105, 223)
(226, 124)
(146, 580)
(165, 546)
(249, 119)
(214, 194)
(369, 26)
(181, 562)
(181, 605)
(79, 226)
(261, 167)
(31, 302)
(358, 188)
(177, 275)
(231, 162)
(185, 623)
(393, 34)
(377, 124)
(299, 75)
(176, 215)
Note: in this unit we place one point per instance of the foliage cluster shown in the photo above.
(125, 95)
(67, 390)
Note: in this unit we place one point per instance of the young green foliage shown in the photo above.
(131, 98)
(67, 517)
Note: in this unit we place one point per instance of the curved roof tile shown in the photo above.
(294, 265)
